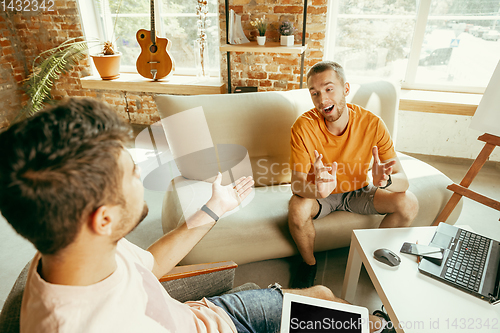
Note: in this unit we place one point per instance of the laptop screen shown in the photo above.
(305, 314)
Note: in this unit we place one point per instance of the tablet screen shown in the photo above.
(311, 318)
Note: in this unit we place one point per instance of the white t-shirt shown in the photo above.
(129, 300)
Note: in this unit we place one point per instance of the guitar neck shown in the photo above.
(153, 33)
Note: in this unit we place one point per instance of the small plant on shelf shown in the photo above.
(260, 24)
(107, 62)
(286, 28)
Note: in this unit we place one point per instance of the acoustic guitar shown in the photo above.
(155, 61)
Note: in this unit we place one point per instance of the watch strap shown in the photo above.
(389, 182)
(210, 212)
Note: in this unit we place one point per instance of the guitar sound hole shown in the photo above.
(153, 48)
(142, 36)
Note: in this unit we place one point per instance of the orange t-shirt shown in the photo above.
(352, 150)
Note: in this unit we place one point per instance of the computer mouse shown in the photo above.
(387, 257)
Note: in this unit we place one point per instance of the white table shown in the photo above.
(414, 301)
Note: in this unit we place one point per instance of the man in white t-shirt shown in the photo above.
(69, 186)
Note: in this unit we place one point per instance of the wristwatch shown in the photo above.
(209, 212)
(389, 182)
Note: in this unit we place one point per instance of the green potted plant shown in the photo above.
(286, 33)
(261, 25)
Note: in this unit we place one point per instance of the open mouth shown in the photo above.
(328, 109)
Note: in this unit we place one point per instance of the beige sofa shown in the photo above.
(261, 122)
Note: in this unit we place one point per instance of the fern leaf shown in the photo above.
(48, 67)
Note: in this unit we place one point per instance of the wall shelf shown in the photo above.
(269, 47)
(175, 84)
(272, 47)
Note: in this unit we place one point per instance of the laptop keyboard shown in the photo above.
(465, 266)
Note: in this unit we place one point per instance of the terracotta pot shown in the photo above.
(108, 66)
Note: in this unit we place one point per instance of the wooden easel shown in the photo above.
(463, 189)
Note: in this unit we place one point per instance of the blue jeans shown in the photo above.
(253, 311)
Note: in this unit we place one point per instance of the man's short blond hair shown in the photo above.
(322, 66)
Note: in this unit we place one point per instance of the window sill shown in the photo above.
(439, 102)
(175, 84)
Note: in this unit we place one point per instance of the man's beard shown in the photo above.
(341, 107)
(334, 117)
(144, 213)
(122, 231)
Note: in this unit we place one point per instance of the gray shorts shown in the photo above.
(359, 201)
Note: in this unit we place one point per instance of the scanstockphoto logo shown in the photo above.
(350, 176)
(178, 153)
(469, 324)
(328, 325)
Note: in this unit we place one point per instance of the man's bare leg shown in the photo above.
(325, 293)
(401, 208)
(300, 214)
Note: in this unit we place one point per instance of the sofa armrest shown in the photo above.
(181, 272)
(193, 282)
(11, 311)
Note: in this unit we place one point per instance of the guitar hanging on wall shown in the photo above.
(154, 62)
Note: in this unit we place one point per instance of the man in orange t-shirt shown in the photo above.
(332, 147)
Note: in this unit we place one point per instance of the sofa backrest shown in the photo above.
(261, 121)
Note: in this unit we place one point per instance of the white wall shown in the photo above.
(439, 134)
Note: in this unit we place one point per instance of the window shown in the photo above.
(447, 45)
(174, 19)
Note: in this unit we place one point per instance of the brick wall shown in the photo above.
(271, 71)
(24, 35)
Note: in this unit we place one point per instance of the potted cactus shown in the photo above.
(286, 31)
(107, 62)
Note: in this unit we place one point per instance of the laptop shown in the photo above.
(471, 262)
(307, 314)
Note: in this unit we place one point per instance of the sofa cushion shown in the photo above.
(260, 122)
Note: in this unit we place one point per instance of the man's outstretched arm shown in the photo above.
(170, 249)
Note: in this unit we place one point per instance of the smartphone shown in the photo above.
(422, 250)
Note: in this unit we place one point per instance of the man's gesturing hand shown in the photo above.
(325, 177)
(380, 171)
(226, 198)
